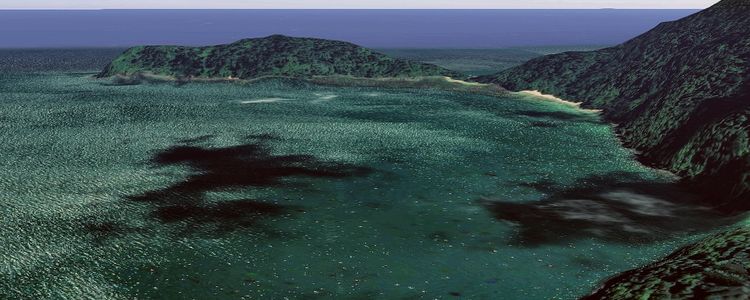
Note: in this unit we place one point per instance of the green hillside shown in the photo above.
(715, 268)
(275, 55)
(679, 93)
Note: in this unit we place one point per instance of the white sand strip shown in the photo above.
(553, 98)
(451, 80)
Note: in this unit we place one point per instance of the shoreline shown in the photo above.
(577, 105)
(553, 98)
(444, 83)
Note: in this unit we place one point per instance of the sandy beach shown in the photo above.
(553, 98)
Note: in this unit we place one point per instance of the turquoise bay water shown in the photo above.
(284, 189)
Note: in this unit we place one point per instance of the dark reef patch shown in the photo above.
(230, 169)
(617, 207)
(196, 140)
(102, 231)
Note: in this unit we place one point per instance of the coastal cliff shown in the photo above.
(276, 55)
(679, 94)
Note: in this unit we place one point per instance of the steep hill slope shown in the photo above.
(715, 268)
(679, 93)
(275, 55)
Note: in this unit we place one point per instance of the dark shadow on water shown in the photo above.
(234, 168)
(559, 116)
(140, 78)
(544, 124)
(617, 207)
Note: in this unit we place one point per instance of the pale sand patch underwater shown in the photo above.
(324, 97)
(264, 100)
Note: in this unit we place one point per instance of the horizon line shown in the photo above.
(435, 8)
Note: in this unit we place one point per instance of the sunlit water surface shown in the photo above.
(284, 189)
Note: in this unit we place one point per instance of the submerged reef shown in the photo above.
(617, 207)
(246, 166)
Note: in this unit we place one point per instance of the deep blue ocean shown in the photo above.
(371, 28)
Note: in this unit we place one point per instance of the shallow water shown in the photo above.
(285, 189)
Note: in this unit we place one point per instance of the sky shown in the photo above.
(351, 4)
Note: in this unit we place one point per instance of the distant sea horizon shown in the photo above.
(376, 28)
